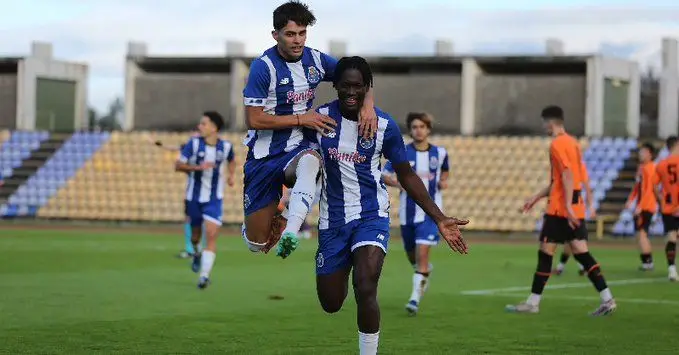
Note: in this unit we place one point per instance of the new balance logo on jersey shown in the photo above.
(284, 81)
(380, 237)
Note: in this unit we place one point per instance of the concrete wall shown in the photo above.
(8, 101)
(175, 101)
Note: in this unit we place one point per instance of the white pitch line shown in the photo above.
(586, 298)
(563, 286)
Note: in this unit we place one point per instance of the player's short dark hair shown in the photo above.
(295, 11)
(422, 116)
(650, 147)
(216, 118)
(552, 112)
(355, 62)
(670, 142)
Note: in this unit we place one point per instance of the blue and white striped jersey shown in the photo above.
(352, 184)
(283, 88)
(207, 185)
(428, 165)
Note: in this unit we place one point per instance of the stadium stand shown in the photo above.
(129, 179)
(18, 147)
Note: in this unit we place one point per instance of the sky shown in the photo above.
(97, 31)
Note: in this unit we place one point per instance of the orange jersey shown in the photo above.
(667, 172)
(565, 154)
(644, 189)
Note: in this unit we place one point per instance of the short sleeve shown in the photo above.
(231, 155)
(388, 168)
(186, 152)
(444, 165)
(558, 153)
(393, 147)
(329, 64)
(257, 88)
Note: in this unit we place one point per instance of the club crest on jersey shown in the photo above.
(366, 143)
(331, 134)
(433, 163)
(313, 76)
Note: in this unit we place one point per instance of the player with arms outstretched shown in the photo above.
(354, 206)
(418, 230)
(278, 97)
(668, 173)
(644, 195)
(564, 220)
(202, 158)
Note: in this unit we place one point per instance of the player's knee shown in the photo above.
(672, 236)
(332, 305)
(365, 286)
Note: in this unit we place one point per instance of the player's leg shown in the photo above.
(263, 183)
(426, 236)
(408, 236)
(565, 255)
(671, 226)
(583, 256)
(645, 251)
(195, 214)
(554, 231)
(212, 215)
(333, 263)
(188, 246)
(370, 239)
(302, 173)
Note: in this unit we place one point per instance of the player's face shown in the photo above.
(644, 155)
(419, 130)
(351, 90)
(291, 40)
(549, 127)
(206, 127)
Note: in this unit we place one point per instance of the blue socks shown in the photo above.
(187, 238)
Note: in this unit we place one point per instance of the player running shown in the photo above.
(188, 245)
(567, 252)
(202, 158)
(419, 232)
(354, 206)
(667, 171)
(564, 219)
(644, 195)
(278, 97)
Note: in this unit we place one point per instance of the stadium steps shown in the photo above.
(29, 166)
(614, 201)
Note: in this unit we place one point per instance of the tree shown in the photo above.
(111, 120)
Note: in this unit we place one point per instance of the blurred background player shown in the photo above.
(667, 171)
(354, 206)
(188, 251)
(418, 230)
(589, 199)
(643, 196)
(278, 98)
(202, 157)
(564, 220)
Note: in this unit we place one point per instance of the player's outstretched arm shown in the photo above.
(256, 118)
(448, 226)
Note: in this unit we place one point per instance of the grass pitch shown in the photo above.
(123, 291)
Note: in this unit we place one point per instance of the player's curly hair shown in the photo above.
(355, 62)
(295, 11)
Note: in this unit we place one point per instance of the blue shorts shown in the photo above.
(425, 233)
(206, 211)
(335, 245)
(264, 179)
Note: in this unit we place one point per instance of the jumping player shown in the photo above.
(354, 206)
(566, 254)
(564, 218)
(644, 195)
(188, 245)
(667, 171)
(419, 232)
(278, 97)
(202, 158)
